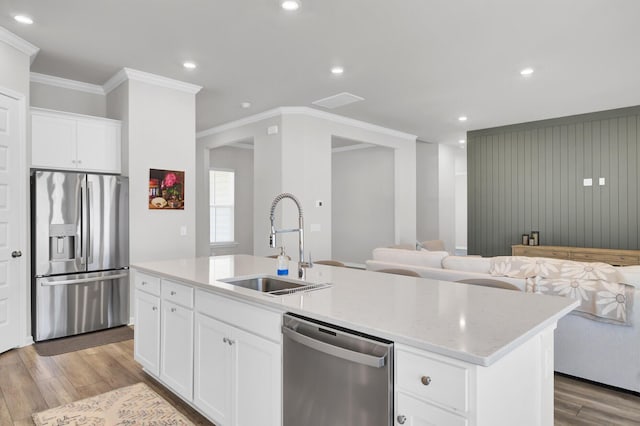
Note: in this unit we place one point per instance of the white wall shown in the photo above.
(240, 160)
(446, 196)
(452, 210)
(161, 136)
(362, 203)
(61, 99)
(267, 179)
(427, 188)
(461, 199)
(298, 160)
(14, 71)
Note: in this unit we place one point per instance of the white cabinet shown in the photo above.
(68, 141)
(419, 413)
(237, 373)
(257, 380)
(176, 360)
(213, 361)
(431, 389)
(146, 344)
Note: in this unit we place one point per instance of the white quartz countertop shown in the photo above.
(470, 323)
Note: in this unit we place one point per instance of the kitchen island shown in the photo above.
(487, 353)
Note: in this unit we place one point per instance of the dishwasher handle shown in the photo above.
(349, 355)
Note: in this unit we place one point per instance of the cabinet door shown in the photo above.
(147, 332)
(414, 412)
(257, 380)
(53, 142)
(212, 391)
(176, 364)
(98, 146)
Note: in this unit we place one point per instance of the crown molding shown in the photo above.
(65, 83)
(130, 74)
(355, 147)
(312, 112)
(239, 123)
(21, 44)
(348, 121)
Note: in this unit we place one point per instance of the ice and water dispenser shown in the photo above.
(62, 242)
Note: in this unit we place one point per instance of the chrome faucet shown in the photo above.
(300, 230)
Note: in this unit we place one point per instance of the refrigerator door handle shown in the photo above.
(83, 222)
(82, 280)
(90, 214)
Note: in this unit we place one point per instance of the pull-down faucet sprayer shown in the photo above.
(300, 230)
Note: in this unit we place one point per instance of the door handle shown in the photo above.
(16, 253)
(349, 355)
(84, 280)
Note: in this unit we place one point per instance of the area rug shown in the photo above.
(83, 341)
(132, 405)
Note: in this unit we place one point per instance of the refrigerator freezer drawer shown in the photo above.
(79, 303)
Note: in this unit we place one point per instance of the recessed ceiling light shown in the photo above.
(290, 4)
(527, 71)
(462, 141)
(462, 118)
(189, 65)
(337, 70)
(246, 105)
(23, 19)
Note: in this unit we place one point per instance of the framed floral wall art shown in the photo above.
(166, 189)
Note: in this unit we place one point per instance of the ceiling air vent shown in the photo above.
(335, 101)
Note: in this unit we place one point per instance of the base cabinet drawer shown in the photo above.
(431, 379)
(413, 412)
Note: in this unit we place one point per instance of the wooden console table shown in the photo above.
(581, 254)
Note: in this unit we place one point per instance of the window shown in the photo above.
(221, 204)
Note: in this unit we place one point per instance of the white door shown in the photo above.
(176, 340)
(212, 391)
(98, 146)
(258, 378)
(9, 224)
(147, 332)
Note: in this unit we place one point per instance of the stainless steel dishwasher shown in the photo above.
(333, 376)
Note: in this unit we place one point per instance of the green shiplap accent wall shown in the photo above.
(529, 176)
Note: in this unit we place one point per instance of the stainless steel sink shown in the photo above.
(273, 285)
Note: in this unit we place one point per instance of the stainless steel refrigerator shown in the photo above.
(80, 253)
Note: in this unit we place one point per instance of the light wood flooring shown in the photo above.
(30, 383)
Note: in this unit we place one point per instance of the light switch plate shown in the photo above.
(588, 182)
(315, 227)
(183, 231)
(272, 130)
(601, 181)
(319, 203)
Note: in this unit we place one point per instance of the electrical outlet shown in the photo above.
(272, 130)
(183, 231)
(601, 181)
(587, 182)
(315, 227)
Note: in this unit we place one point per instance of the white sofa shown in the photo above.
(604, 353)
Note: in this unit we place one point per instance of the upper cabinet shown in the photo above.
(68, 141)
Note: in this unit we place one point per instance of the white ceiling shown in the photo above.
(419, 64)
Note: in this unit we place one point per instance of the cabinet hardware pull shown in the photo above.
(173, 309)
(155, 308)
(224, 340)
(426, 380)
(402, 419)
(16, 253)
(143, 283)
(173, 293)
